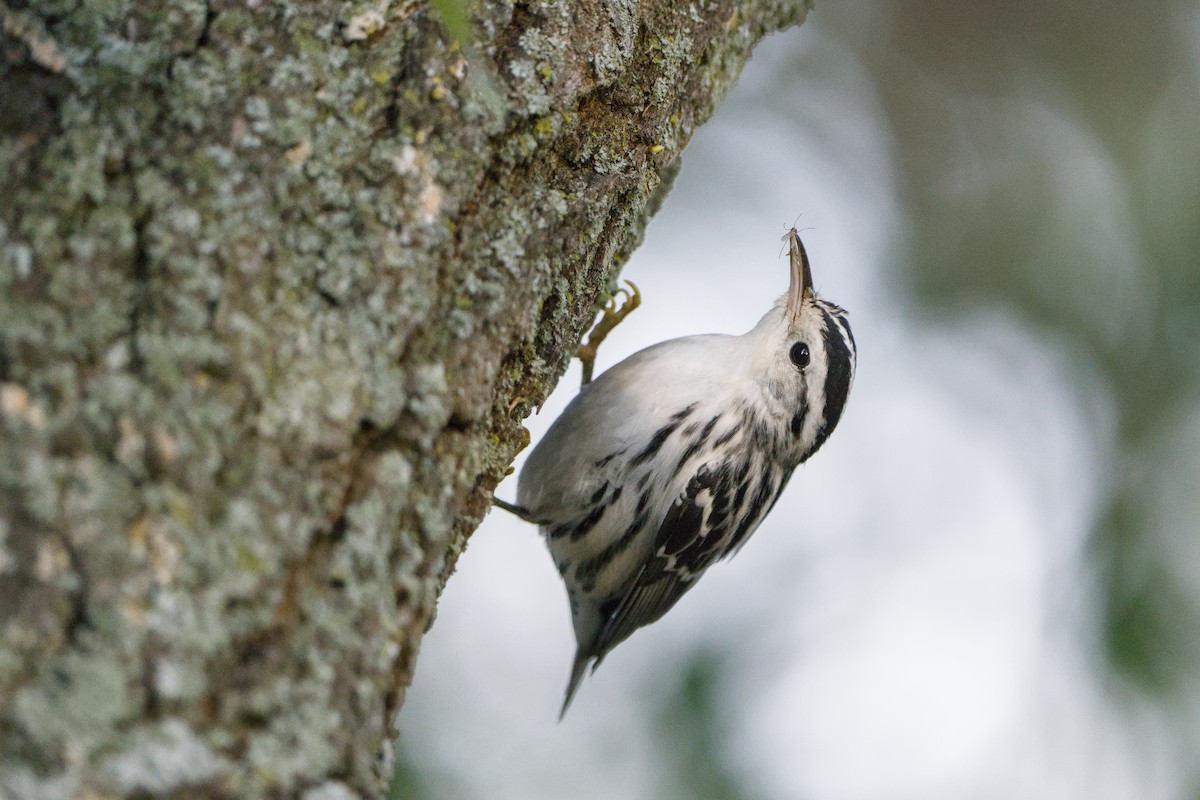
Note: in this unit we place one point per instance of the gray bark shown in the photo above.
(278, 282)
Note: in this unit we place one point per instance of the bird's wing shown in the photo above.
(610, 422)
(693, 534)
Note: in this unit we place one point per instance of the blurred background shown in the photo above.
(987, 583)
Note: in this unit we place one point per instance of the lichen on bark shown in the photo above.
(278, 282)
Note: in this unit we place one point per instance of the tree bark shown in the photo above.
(278, 282)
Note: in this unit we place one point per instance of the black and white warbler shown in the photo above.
(668, 461)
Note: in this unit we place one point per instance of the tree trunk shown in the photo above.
(278, 282)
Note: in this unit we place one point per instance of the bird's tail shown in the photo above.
(577, 669)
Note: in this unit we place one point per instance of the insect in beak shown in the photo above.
(800, 288)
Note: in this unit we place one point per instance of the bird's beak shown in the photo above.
(800, 288)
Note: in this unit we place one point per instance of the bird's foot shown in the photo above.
(610, 317)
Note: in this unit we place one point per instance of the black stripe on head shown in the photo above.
(839, 368)
(844, 324)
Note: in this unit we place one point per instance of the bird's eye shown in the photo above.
(799, 354)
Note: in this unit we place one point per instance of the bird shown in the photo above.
(668, 461)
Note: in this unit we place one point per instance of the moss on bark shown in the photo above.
(278, 282)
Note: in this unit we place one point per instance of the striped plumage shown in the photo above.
(668, 462)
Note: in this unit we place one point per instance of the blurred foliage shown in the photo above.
(406, 778)
(690, 729)
(412, 781)
(1049, 161)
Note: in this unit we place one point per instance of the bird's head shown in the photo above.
(805, 358)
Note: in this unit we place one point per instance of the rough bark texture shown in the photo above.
(278, 282)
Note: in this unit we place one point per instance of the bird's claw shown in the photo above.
(633, 299)
(611, 316)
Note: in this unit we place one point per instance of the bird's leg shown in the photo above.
(610, 317)
(513, 508)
